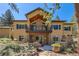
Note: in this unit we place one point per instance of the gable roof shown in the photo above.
(35, 10)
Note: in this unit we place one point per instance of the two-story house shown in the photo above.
(38, 27)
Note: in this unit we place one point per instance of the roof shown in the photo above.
(5, 27)
(35, 10)
(70, 23)
(19, 20)
(58, 21)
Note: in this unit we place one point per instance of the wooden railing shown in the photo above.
(35, 28)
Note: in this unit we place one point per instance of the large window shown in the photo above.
(33, 27)
(21, 26)
(67, 28)
(56, 27)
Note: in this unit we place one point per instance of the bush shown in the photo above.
(13, 49)
(69, 50)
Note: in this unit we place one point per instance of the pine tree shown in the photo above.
(74, 20)
(14, 7)
(7, 18)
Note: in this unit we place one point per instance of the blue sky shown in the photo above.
(65, 12)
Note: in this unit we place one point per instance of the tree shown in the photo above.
(55, 6)
(14, 7)
(75, 27)
(7, 18)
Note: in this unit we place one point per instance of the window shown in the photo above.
(21, 26)
(56, 27)
(59, 26)
(26, 26)
(33, 27)
(21, 38)
(67, 28)
(55, 39)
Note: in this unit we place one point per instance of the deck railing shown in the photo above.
(35, 28)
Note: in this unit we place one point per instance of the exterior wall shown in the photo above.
(69, 32)
(46, 36)
(57, 33)
(61, 32)
(19, 32)
(22, 32)
(5, 32)
(43, 37)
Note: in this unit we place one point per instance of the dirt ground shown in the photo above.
(51, 53)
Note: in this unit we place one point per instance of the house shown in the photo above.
(38, 27)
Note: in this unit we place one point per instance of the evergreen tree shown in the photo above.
(7, 18)
(14, 7)
(74, 20)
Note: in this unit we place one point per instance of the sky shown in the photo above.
(66, 11)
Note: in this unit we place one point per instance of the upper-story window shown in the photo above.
(56, 27)
(67, 28)
(21, 26)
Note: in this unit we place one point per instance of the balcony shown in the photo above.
(35, 28)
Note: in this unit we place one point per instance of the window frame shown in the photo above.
(67, 28)
(56, 27)
(55, 39)
(21, 26)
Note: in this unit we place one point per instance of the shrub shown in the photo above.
(69, 50)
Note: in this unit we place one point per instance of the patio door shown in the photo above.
(39, 39)
(21, 38)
